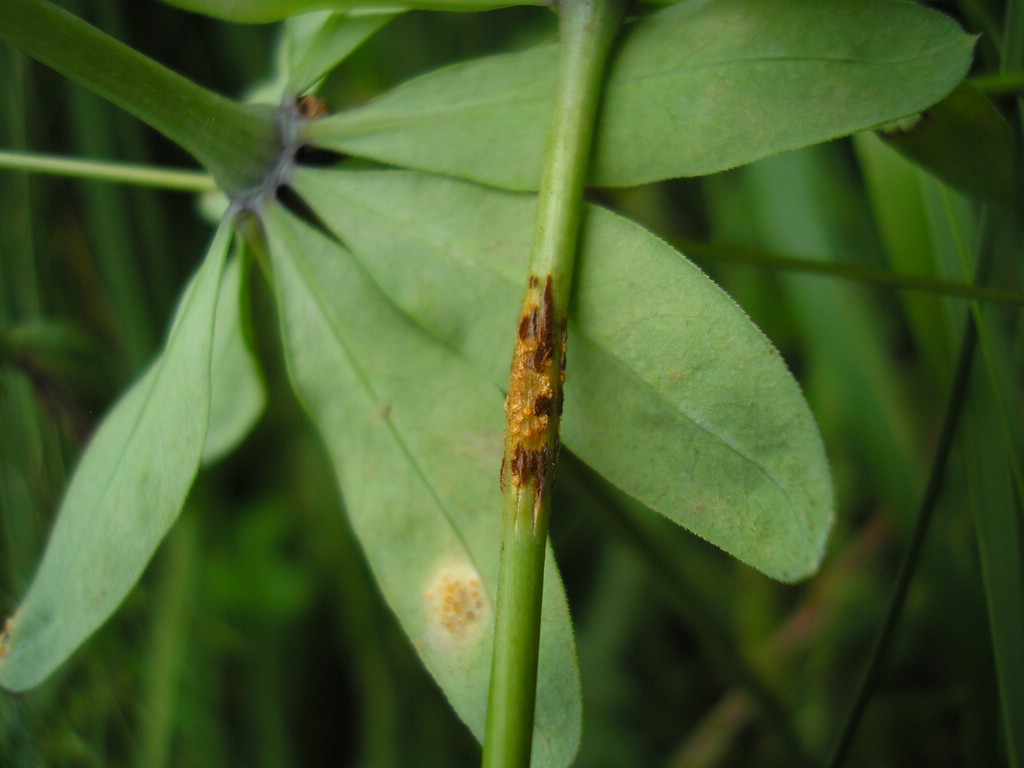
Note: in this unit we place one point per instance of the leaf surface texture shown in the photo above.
(695, 88)
(672, 393)
(125, 494)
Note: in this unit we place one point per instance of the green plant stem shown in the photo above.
(179, 179)
(587, 31)
(238, 144)
(1000, 84)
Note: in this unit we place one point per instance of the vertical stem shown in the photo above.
(534, 404)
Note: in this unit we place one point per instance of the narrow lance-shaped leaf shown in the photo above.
(415, 436)
(315, 49)
(671, 392)
(309, 47)
(695, 88)
(126, 492)
(237, 395)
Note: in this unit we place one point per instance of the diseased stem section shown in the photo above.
(533, 406)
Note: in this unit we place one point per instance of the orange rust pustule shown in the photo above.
(312, 107)
(535, 392)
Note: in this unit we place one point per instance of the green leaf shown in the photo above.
(260, 11)
(695, 88)
(237, 396)
(318, 45)
(415, 436)
(126, 492)
(672, 393)
(965, 141)
(802, 203)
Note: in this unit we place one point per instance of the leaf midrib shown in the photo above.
(364, 379)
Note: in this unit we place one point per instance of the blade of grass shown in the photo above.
(1013, 49)
(997, 535)
(170, 637)
(19, 292)
(996, 352)
(997, 528)
(992, 465)
(994, 473)
(533, 407)
(898, 192)
(29, 444)
(908, 565)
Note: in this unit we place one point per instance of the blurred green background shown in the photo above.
(258, 638)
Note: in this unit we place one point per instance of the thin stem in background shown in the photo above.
(1001, 84)
(186, 180)
(757, 257)
(533, 407)
(178, 179)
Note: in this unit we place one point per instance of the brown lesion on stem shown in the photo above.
(534, 402)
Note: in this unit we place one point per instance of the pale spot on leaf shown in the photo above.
(457, 606)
